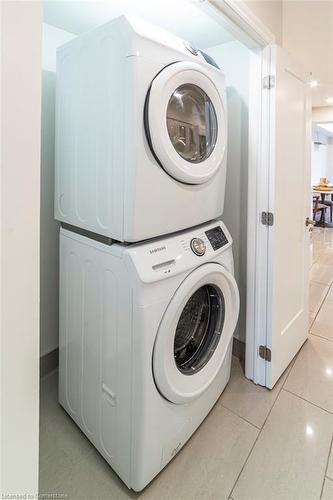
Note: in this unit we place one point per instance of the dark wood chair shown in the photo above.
(319, 207)
(329, 204)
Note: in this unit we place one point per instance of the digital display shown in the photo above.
(216, 237)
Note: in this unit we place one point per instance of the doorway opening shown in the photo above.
(322, 174)
(321, 241)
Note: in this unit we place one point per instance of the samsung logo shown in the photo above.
(157, 249)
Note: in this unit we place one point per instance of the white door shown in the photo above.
(288, 246)
(185, 121)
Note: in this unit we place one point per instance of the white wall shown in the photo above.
(308, 35)
(19, 244)
(330, 162)
(53, 37)
(322, 114)
(270, 13)
(234, 60)
(322, 156)
(304, 29)
(49, 228)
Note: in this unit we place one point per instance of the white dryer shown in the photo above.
(140, 133)
(145, 342)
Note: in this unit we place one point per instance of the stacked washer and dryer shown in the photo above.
(148, 301)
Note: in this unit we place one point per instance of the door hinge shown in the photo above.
(265, 353)
(267, 218)
(268, 82)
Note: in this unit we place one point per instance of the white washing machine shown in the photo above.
(145, 342)
(140, 133)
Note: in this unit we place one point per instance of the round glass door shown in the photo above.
(195, 332)
(185, 121)
(199, 329)
(192, 123)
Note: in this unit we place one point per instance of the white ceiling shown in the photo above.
(308, 36)
(184, 18)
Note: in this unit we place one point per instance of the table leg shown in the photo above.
(323, 212)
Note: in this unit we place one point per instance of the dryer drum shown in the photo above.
(199, 329)
(192, 123)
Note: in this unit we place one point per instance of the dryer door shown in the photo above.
(186, 123)
(195, 333)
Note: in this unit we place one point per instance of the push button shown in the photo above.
(198, 246)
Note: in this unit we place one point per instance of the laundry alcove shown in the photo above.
(249, 65)
(63, 22)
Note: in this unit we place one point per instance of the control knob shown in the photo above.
(198, 246)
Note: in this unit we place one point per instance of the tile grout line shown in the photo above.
(311, 323)
(255, 441)
(321, 304)
(283, 388)
(309, 333)
(329, 287)
(320, 282)
(319, 309)
(292, 363)
(271, 409)
(245, 462)
(240, 416)
(325, 473)
(320, 336)
(307, 401)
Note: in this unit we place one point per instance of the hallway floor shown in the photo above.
(254, 445)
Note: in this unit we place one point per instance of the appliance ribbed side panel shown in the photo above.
(91, 138)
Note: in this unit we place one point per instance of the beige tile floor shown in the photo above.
(254, 445)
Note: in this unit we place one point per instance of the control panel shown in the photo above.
(171, 255)
(216, 237)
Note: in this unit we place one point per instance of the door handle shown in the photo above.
(309, 222)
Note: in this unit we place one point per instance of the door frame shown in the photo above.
(20, 102)
(243, 23)
(248, 29)
(258, 202)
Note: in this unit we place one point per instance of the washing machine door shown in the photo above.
(185, 122)
(195, 332)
